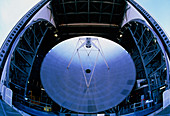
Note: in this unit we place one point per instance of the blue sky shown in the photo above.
(160, 10)
(11, 12)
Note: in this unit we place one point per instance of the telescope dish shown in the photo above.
(88, 79)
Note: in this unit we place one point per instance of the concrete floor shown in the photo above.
(6, 110)
(164, 112)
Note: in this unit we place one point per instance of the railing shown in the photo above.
(137, 106)
(141, 105)
(27, 101)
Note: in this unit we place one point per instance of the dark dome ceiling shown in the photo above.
(88, 11)
(88, 17)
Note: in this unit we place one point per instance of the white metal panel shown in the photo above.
(3, 92)
(4, 75)
(44, 13)
(8, 96)
(132, 14)
(166, 98)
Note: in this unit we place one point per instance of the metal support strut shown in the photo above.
(88, 43)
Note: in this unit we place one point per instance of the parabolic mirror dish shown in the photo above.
(88, 74)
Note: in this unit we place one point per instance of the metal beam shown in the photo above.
(23, 57)
(160, 67)
(88, 11)
(151, 58)
(76, 5)
(64, 10)
(157, 29)
(147, 45)
(112, 11)
(19, 68)
(27, 51)
(6, 47)
(85, 1)
(101, 6)
(25, 38)
(29, 72)
(141, 37)
(140, 53)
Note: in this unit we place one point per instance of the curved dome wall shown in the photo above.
(51, 22)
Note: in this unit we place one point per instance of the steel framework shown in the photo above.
(26, 45)
(149, 58)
